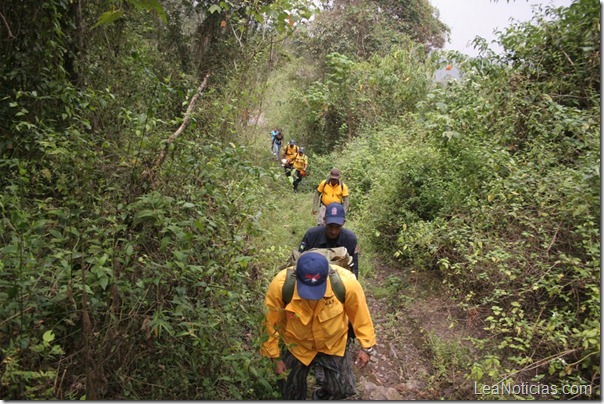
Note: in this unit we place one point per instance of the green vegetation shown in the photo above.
(449, 357)
(124, 276)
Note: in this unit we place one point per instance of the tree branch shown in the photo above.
(10, 34)
(149, 174)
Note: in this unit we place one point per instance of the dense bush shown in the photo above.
(111, 285)
(497, 187)
(330, 111)
(117, 284)
(118, 292)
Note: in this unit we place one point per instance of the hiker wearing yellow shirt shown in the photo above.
(313, 325)
(289, 153)
(330, 190)
(300, 166)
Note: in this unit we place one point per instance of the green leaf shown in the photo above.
(10, 249)
(259, 18)
(103, 259)
(155, 6)
(108, 17)
(306, 14)
(104, 281)
(142, 215)
(214, 9)
(48, 336)
(265, 384)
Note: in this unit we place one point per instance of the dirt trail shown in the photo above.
(411, 335)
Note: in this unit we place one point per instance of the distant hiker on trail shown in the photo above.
(314, 328)
(300, 164)
(276, 140)
(332, 235)
(289, 153)
(330, 190)
(274, 133)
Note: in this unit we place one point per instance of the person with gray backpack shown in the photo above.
(333, 234)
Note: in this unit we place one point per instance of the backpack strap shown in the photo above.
(288, 286)
(337, 285)
(290, 280)
(325, 182)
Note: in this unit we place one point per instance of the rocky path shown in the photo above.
(413, 335)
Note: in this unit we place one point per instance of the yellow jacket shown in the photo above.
(301, 161)
(308, 327)
(289, 152)
(331, 194)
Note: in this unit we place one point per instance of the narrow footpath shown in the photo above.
(423, 351)
(422, 340)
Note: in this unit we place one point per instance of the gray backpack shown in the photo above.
(336, 256)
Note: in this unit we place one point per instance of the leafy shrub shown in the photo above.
(495, 183)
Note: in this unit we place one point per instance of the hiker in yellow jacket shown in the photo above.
(330, 190)
(300, 166)
(314, 328)
(290, 152)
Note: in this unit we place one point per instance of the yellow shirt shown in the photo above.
(308, 327)
(331, 194)
(289, 152)
(301, 161)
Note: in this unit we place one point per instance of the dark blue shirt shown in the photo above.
(315, 238)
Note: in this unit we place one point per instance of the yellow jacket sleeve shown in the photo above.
(273, 316)
(357, 309)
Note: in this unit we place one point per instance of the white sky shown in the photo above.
(470, 18)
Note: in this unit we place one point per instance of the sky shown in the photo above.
(470, 18)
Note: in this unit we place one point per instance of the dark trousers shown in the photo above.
(337, 381)
(297, 180)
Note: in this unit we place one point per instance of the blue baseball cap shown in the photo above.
(334, 214)
(312, 270)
